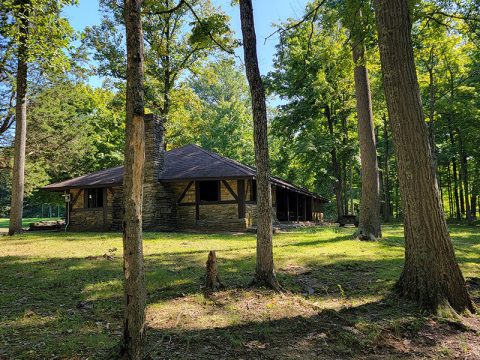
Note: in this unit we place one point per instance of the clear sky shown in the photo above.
(266, 12)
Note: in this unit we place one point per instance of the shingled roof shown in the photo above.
(189, 162)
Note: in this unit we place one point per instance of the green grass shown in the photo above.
(25, 222)
(61, 298)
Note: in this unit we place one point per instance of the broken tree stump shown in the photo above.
(213, 282)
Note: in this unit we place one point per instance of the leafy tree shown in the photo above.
(264, 273)
(214, 111)
(178, 37)
(37, 33)
(133, 269)
(431, 277)
(314, 79)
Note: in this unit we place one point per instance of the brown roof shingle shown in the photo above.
(189, 162)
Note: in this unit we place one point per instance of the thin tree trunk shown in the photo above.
(431, 276)
(338, 184)
(455, 177)
(449, 189)
(352, 210)
(386, 177)
(369, 223)
(133, 269)
(264, 274)
(18, 178)
(464, 173)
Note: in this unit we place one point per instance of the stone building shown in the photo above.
(188, 188)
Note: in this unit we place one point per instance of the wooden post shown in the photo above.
(105, 209)
(197, 200)
(304, 208)
(288, 205)
(298, 210)
(241, 198)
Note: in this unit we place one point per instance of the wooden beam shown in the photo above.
(304, 208)
(296, 197)
(185, 191)
(197, 200)
(105, 209)
(230, 190)
(241, 198)
(75, 198)
(288, 205)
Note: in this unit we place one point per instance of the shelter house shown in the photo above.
(188, 188)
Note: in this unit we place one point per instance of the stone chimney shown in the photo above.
(159, 206)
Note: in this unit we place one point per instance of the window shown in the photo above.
(253, 193)
(94, 198)
(209, 190)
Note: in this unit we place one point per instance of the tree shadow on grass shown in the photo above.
(376, 330)
(73, 306)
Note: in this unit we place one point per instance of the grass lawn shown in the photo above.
(60, 297)
(25, 222)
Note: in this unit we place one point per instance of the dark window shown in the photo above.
(94, 198)
(253, 193)
(209, 190)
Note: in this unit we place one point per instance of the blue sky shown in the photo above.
(266, 12)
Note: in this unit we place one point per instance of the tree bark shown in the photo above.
(386, 170)
(264, 274)
(369, 227)
(464, 175)
(454, 174)
(213, 282)
(431, 276)
(18, 178)
(338, 184)
(133, 269)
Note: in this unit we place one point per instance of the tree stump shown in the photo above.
(213, 282)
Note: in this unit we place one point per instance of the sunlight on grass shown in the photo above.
(65, 291)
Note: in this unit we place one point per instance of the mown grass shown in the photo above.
(61, 294)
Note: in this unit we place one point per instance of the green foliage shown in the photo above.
(213, 109)
(73, 130)
(314, 79)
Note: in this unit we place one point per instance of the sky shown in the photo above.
(266, 12)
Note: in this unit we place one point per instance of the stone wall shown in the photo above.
(213, 216)
(90, 219)
(159, 210)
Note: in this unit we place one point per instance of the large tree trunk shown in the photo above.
(431, 276)
(264, 274)
(18, 178)
(431, 117)
(369, 225)
(134, 289)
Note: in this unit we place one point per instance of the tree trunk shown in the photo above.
(213, 282)
(450, 194)
(264, 274)
(431, 276)
(455, 176)
(464, 173)
(386, 170)
(338, 184)
(133, 269)
(431, 117)
(18, 178)
(369, 223)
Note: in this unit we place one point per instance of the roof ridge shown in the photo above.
(228, 161)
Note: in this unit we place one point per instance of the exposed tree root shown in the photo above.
(360, 235)
(269, 282)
